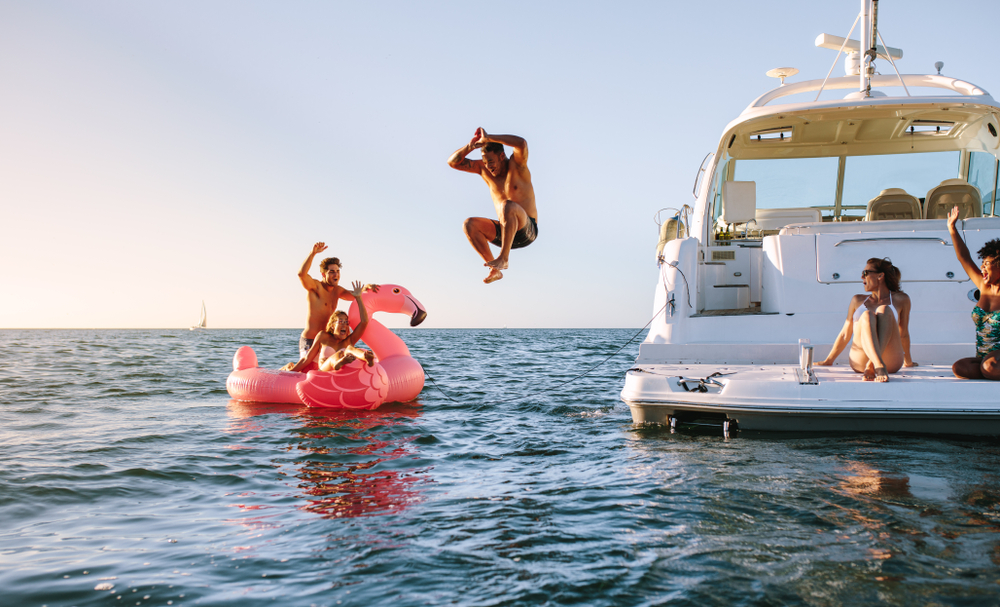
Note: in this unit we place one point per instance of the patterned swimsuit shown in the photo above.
(987, 330)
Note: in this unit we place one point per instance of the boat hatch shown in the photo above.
(929, 127)
(920, 256)
(777, 134)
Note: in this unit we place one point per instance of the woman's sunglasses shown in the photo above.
(867, 272)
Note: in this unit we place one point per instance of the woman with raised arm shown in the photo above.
(986, 314)
(881, 345)
(334, 347)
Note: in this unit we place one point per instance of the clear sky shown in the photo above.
(156, 154)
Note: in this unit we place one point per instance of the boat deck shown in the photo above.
(839, 373)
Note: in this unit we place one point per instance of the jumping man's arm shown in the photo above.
(459, 162)
(520, 153)
(308, 281)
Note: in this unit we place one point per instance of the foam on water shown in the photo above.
(129, 477)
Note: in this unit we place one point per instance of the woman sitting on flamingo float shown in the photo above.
(333, 346)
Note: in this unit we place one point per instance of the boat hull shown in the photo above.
(926, 400)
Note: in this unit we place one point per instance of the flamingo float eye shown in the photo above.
(396, 290)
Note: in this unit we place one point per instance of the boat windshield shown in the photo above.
(797, 183)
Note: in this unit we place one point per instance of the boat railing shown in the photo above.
(938, 81)
(698, 175)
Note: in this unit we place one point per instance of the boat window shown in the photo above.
(866, 176)
(784, 183)
(983, 175)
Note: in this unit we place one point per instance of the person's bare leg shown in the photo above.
(866, 335)
(346, 359)
(990, 367)
(361, 354)
(481, 232)
(512, 219)
(968, 368)
(891, 350)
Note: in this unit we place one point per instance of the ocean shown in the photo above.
(129, 477)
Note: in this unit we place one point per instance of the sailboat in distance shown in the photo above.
(203, 323)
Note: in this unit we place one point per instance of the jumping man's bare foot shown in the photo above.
(881, 375)
(369, 357)
(869, 373)
(497, 264)
(494, 276)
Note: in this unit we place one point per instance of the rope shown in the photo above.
(569, 381)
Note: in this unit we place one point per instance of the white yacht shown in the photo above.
(805, 186)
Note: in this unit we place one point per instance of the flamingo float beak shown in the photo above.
(419, 314)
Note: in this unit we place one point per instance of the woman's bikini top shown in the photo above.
(864, 308)
(987, 330)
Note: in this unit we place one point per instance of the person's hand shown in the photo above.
(479, 139)
(952, 217)
(356, 288)
(824, 363)
(319, 247)
(372, 288)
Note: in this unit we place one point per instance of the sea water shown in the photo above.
(129, 477)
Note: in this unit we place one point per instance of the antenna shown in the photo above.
(782, 73)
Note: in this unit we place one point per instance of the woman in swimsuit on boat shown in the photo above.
(986, 314)
(881, 345)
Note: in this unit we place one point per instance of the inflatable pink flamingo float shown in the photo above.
(395, 377)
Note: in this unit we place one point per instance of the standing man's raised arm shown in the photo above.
(308, 281)
(458, 160)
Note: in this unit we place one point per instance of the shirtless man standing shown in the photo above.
(323, 295)
(513, 196)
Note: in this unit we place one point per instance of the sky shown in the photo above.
(154, 155)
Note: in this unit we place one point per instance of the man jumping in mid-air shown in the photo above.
(513, 196)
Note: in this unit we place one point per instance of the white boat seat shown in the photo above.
(770, 220)
(953, 192)
(739, 201)
(893, 203)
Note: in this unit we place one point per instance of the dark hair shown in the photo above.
(326, 263)
(493, 147)
(990, 249)
(891, 272)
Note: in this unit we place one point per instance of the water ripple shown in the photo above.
(515, 478)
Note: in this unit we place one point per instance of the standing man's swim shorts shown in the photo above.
(304, 345)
